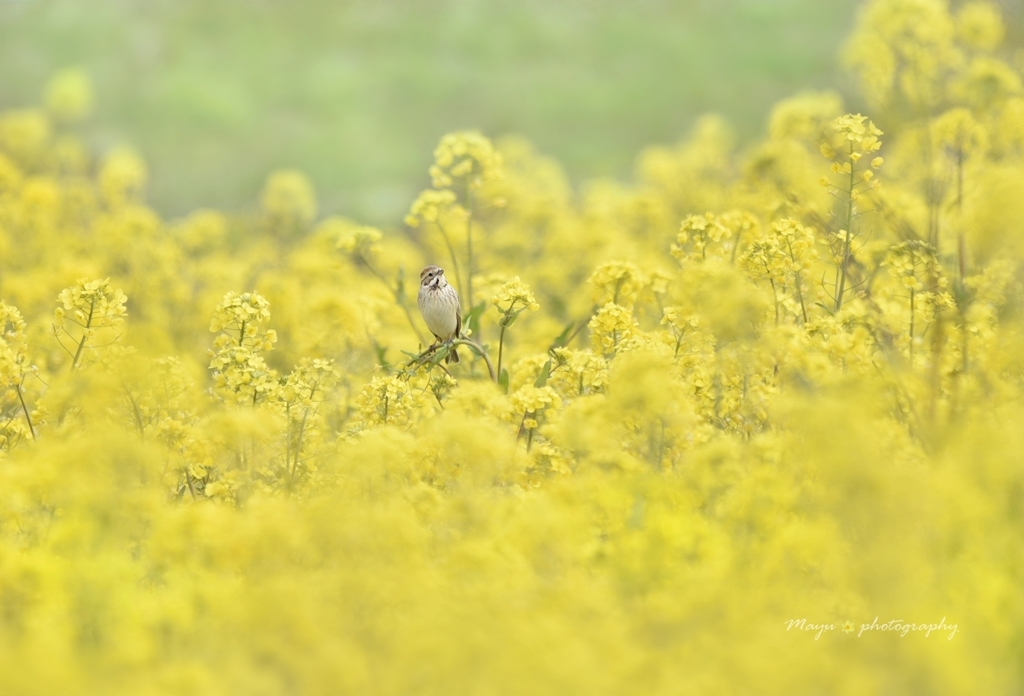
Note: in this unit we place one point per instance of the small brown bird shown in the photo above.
(439, 305)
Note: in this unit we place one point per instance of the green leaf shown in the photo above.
(542, 378)
(381, 352)
(563, 337)
(472, 319)
(503, 380)
(439, 355)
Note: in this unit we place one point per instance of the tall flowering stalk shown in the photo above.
(850, 140)
(87, 310)
(512, 299)
(241, 375)
(465, 164)
(782, 257)
(301, 395)
(13, 371)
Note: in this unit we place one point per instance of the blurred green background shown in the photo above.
(215, 94)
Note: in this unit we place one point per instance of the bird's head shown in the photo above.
(432, 276)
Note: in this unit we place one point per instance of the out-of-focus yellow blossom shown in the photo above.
(979, 25)
(123, 177)
(69, 95)
(432, 206)
(692, 175)
(465, 161)
(12, 343)
(70, 156)
(10, 175)
(24, 137)
(361, 242)
(1007, 131)
(617, 282)
(289, 202)
(904, 50)
(959, 134)
(698, 234)
(987, 84)
(805, 116)
(202, 231)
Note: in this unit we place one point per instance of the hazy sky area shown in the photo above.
(356, 94)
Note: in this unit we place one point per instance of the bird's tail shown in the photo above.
(453, 356)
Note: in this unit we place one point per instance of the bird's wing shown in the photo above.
(458, 321)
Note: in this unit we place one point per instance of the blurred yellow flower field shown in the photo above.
(750, 423)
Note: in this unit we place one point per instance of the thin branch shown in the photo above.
(24, 407)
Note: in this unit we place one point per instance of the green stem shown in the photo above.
(961, 246)
(399, 298)
(501, 345)
(775, 299)
(188, 480)
(912, 327)
(469, 247)
(522, 424)
(455, 260)
(298, 450)
(24, 407)
(799, 285)
(136, 412)
(849, 237)
(476, 348)
(85, 334)
(288, 446)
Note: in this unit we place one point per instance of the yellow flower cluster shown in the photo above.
(514, 292)
(713, 402)
(465, 160)
(362, 243)
(87, 309)
(431, 206)
(612, 327)
(240, 373)
(618, 282)
(782, 258)
(853, 137)
(530, 403)
(699, 232)
(387, 401)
